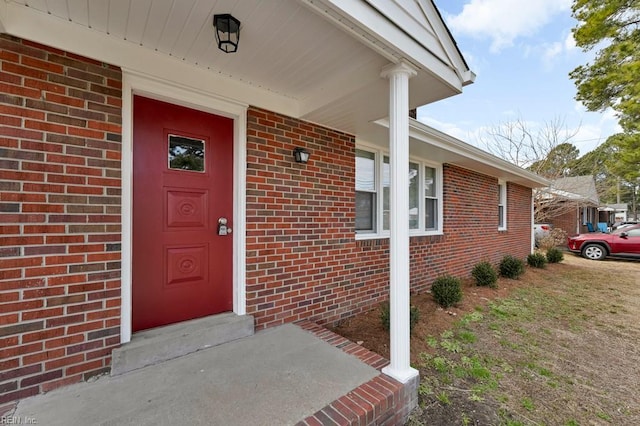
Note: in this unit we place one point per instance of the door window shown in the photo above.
(186, 153)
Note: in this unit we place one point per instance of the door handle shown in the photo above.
(223, 229)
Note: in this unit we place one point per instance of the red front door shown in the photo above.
(182, 186)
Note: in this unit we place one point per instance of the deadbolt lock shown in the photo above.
(223, 229)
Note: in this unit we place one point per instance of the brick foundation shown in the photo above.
(381, 401)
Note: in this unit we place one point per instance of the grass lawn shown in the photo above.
(559, 346)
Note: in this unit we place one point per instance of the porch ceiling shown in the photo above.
(312, 59)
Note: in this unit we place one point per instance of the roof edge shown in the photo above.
(417, 129)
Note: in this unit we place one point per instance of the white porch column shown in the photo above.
(398, 75)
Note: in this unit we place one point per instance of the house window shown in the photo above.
(373, 214)
(414, 195)
(431, 198)
(588, 215)
(502, 205)
(365, 191)
(186, 153)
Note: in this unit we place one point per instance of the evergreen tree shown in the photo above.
(611, 80)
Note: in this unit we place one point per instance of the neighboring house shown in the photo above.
(148, 177)
(614, 212)
(570, 204)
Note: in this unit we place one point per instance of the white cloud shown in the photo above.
(551, 51)
(609, 123)
(610, 117)
(570, 42)
(595, 127)
(449, 128)
(503, 21)
(588, 136)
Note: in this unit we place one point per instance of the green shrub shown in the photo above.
(554, 255)
(385, 316)
(446, 291)
(485, 274)
(537, 260)
(511, 267)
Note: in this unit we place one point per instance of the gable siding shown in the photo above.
(60, 133)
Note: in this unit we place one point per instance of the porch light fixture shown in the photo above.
(227, 32)
(301, 155)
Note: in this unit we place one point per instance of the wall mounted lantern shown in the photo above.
(301, 155)
(227, 32)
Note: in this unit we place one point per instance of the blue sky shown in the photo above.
(522, 52)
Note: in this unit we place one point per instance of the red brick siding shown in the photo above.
(300, 220)
(60, 133)
(567, 221)
(470, 229)
(302, 258)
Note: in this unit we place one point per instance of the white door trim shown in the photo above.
(134, 83)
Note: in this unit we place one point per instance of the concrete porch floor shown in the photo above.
(292, 374)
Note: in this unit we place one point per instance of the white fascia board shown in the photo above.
(469, 77)
(374, 29)
(447, 41)
(431, 136)
(29, 24)
(570, 195)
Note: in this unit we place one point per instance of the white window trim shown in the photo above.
(502, 188)
(380, 232)
(377, 177)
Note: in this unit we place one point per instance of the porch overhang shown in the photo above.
(321, 62)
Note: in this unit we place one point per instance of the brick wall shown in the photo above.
(470, 230)
(567, 221)
(60, 132)
(470, 202)
(300, 220)
(302, 258)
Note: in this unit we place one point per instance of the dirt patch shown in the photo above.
(367, 330)
(558, 346)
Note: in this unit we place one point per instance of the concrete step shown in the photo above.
(150, 347)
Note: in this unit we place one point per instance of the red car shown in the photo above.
(623, 242)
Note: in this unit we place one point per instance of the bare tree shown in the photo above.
(524, 144)
(546, 150)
